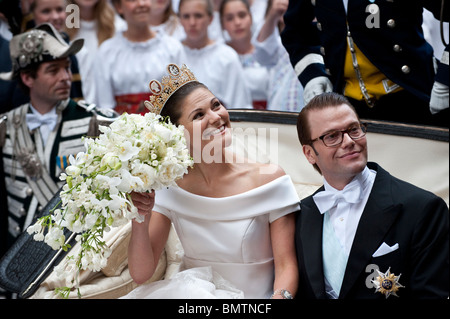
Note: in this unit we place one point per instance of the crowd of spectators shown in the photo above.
(127, 42)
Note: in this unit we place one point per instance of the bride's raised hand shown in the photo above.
(144, 203)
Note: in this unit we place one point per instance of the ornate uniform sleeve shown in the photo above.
(442, 75)
(301, 40)
(440, 91)
(3, 203)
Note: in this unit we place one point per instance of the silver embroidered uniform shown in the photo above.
(32, 169)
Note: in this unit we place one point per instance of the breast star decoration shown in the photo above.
(387, 283)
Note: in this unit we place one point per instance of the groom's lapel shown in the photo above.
(378, 216)
(311, 239)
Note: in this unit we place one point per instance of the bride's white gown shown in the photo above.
(226, 241)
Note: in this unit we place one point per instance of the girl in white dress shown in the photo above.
(125, 63)
(163, 18)
(268, 72)
(234, 218)
(98, 22)
(214, 63)
(236, 20)
(285, 90)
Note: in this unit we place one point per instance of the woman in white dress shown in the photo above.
(236, 20)
(214, 63)
(268, 72)
(164, 19)
(285, 90)
(125, 63)
(98, 22)
(234, 219)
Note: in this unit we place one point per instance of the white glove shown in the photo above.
(316, 86)
(439, 97)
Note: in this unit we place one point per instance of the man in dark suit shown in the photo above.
(364, 233)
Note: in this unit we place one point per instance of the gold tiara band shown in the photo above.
(162, 91)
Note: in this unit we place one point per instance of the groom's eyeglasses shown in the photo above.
(335, 138)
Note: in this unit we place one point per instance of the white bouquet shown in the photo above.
(135, 153)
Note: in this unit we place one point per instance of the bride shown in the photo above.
(234, 219)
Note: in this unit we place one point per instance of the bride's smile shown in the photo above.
(214, 131)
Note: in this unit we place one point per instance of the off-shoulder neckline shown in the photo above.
(246, 193)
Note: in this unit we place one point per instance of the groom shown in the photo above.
(364, 233)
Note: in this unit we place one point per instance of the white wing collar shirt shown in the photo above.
(342, 210)
(346, 207)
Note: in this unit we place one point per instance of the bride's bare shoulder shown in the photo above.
(266, 173)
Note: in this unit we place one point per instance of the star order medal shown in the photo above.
(387, 283)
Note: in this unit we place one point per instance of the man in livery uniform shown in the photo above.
(37, 138)
(372, 51)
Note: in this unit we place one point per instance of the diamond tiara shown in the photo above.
(162, 91)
